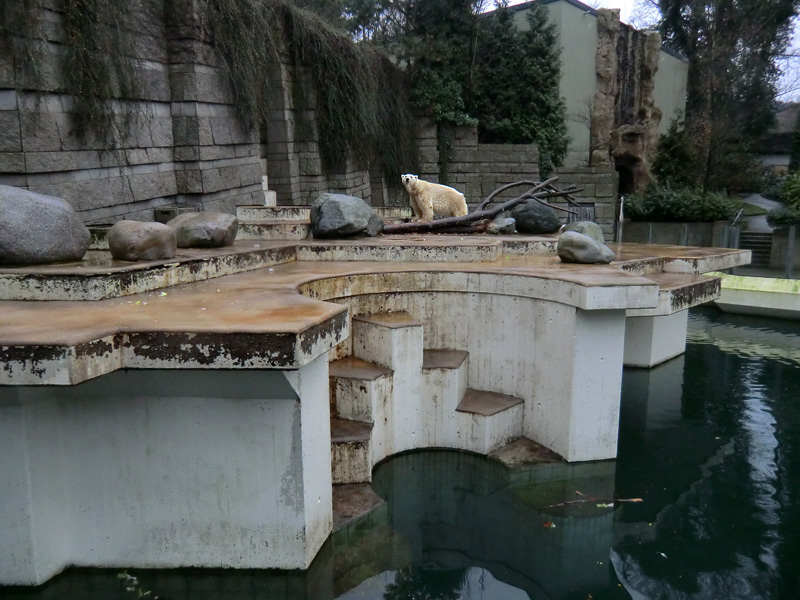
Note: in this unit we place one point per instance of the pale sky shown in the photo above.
(625, 7)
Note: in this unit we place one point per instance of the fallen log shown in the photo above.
(539, 191)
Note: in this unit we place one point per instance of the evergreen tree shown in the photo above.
(514, 92)
(731, 46)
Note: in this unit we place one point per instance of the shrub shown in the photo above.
(790, 191)
(784, 216)
(665, 203)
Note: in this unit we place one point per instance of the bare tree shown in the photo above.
(646, 14)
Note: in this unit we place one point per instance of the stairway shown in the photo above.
(292, 222)
(392, 396)
(759, 244)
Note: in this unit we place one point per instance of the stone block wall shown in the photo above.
(599, 189)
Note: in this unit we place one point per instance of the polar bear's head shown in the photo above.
(408, 180)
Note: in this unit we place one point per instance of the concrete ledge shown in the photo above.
(680, 292)
(763, 296)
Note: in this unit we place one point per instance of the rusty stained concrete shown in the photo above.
(276, 317)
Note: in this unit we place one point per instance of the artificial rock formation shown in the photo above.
(625, 118)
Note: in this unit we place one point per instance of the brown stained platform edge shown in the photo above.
(486, 404)
(390, 320)
(355, 368)
(351, 501)
(345, 431)
(443, 359)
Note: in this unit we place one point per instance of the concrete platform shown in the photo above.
(168, 377)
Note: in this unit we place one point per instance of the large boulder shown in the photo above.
(589, 228)
(37, 229)
(205, 229)
(534, 217)
(574, 247)
(140, 240)
(338, 215)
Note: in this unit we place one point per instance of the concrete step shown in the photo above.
(259, 213)
(488, 420)
(356, 508)
(351, 451)
(275, 230)
(444, 383)
(394, 340)
(363, 391)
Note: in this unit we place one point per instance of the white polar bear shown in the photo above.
(428, 198)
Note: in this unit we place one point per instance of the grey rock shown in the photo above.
(589, 228)
(338, 215)
(205, 229)
(534, 217)
(502, 226)
(574, 247)
(141, 240)
(37, 229)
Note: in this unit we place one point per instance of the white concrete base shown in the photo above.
(485, 434)
(650, 341)
(442, 390)
(396, 345)
(162, 469)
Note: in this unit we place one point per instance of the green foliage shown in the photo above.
(790, 190)
(665, 203)
(732, 49)
(514, 91)
(675, 161)
(784, 216)
(794, 158)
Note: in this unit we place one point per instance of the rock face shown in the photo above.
(502, 226)
(589, 228)
(338, 215)
(137, 240)
(533, 217)
(37, 229)
(205, 229)
(574, 247)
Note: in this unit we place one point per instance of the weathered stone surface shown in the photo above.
(139, 240)
(37, 229)
(574, 247)
(338, 215)
(205, 229)
(534, 217)
(501, 226)
(589, 228)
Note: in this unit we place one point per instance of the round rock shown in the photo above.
(37, 229)
(339, 215)
(501, 226)
(574, 247)
(205, 229)
(139, 240)
(534, 217)
(589, 228)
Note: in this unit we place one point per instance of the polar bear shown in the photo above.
(428, 198)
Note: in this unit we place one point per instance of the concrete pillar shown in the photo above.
(161, 469)
(650, 341)
(575, 411)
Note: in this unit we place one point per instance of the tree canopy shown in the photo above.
(732, 47)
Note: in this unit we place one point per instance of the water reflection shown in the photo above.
(710, 441)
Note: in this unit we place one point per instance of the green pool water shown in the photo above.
(709, 442)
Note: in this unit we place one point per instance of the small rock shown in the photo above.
(339, 215)
(139, 240)
(501, 226)
(37, 229)
(589, 228)
(574, 247)
(205, 229)
(534, 217)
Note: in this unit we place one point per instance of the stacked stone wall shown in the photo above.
(599, 192)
